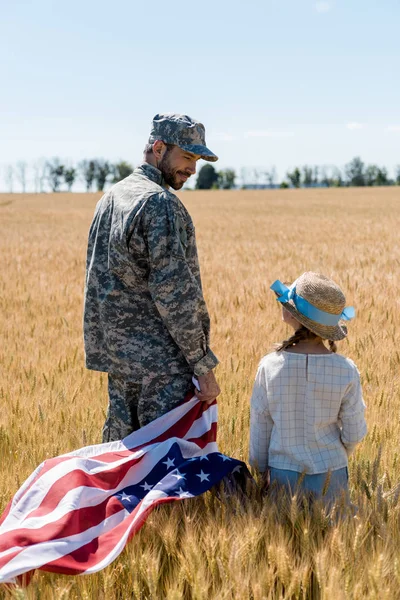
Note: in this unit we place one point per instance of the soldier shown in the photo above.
(145, 320)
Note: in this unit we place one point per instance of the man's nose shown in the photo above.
(192, 167)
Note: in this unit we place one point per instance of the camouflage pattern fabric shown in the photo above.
(144, 313)
(133, 405)
(183, 131)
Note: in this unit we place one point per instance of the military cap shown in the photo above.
(183, 131)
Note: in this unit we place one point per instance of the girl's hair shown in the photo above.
(302, 334)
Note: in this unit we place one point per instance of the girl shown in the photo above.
(307, 410)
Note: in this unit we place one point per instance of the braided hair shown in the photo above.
(300, 335)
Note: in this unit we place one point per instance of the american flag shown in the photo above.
(75, 513)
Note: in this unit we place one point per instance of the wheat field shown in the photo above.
(202, 548)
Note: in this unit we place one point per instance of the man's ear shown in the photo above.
(159, 149)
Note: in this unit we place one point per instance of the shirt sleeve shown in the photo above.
(351, 415)
(261, 425)
(174, 287)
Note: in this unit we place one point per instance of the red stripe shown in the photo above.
(72, 523)
(4, 559)
(206, 438)
(95, 551)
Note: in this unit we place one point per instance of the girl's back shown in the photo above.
(310, 407)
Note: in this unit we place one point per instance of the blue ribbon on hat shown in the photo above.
(308, 310)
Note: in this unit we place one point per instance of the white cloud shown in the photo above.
(323, 7)
(353, 126)
(393, 128)
(269, 134)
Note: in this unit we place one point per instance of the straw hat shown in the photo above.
(317, 303)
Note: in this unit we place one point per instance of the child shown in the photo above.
(307, 410)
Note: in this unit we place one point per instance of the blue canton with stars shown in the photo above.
(179, 477)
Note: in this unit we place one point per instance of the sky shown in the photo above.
(276, 82)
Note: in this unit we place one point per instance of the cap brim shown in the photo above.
(201, 151)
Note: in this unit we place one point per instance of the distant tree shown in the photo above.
(397, 175)
(371, 173)
(69, 177)
(355, 174)
(102, 170)
(375, 175)
(256, 176)
(315, 181)
(337, 179)
(270, 176)
(325, 180)
(307, 176)
(39, 174)
(9, 178)
(206, 178)
(55, 171)
(226, 179)
(20, 173)
(87, 169)
(382, 177)
(244, 176)
(294, 177)
(284, 185)
(121, 170)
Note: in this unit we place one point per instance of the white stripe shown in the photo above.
(18, 495)
(38, 555)
(211, 447)
(203, 424)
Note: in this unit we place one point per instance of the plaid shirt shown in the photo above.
(307, 412)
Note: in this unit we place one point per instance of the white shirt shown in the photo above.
(307, 412)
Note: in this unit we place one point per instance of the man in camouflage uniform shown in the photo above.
(146, 322)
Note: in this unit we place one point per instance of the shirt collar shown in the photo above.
(152, 173)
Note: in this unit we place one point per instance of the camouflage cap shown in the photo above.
(182, 131)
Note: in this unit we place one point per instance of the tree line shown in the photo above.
(354, 173)
(54, 175)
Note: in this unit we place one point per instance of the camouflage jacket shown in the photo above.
(144, 307)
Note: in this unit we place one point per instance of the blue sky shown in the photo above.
(276, 82)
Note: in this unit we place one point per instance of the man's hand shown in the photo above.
(209, 388)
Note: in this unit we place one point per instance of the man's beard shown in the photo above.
(171, 177)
